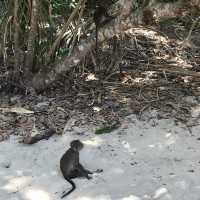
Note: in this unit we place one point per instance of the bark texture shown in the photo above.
(16, 35)
(32, 36)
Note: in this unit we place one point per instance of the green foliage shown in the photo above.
(168, 22)
(63, 51)
(63, 6)
(106, 129)
(3, 10)
(198, 25)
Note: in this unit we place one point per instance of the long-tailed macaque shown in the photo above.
(70, 165)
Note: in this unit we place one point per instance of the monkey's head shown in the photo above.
(76, 145)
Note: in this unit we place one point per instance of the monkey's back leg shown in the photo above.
(76, 173)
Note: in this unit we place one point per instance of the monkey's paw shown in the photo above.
(99, 170)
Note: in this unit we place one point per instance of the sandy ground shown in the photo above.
(141, 161)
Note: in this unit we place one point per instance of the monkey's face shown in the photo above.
(77, 145)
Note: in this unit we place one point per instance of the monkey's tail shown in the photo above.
(72, 189)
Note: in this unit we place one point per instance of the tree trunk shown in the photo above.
(32, 36)
(16, 35)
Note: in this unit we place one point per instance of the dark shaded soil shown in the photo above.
(150, 71)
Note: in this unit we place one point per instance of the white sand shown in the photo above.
(140, 162)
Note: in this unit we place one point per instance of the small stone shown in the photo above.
(6, 164)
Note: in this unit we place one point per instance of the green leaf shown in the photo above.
(106, 129)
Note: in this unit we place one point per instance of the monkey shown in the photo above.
(101, 17)
(70, 165)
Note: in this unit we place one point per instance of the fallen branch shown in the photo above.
(175, 69)
(36, 138)
(181, 72)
